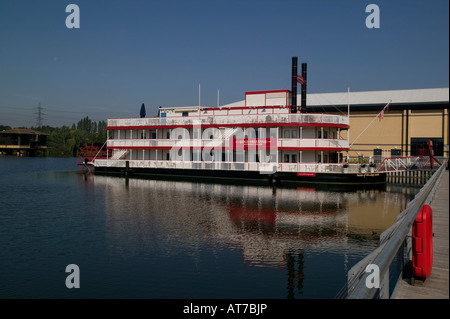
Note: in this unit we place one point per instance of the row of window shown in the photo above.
(286, 158)
(287, 133)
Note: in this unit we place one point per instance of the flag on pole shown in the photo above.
(381, 115)
(300, 79)
(142, 113)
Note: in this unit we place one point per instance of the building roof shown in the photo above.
(23, 131)
(415, 96)
(380, 97)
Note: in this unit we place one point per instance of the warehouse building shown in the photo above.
(391, 123)
(388, 123)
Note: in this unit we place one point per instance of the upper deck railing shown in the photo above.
(263, 119)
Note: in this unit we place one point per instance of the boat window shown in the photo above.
(287, 134)
(185, 113)
(293, 158)
(286, 158)
(294, 134)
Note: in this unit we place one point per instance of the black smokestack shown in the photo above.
(304, 87)
(294, 85)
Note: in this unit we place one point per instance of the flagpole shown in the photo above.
(348, 102)
(348, 112)
(370, 123)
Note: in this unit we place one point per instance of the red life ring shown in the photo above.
(422, 243)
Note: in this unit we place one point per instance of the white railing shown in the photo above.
(118, 143)
(407, 163)
(234, 166)
(224, 142)
(232, 119)
(312, 143)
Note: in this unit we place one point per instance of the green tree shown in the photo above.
(57, 142)
(5, 127)
(66, 141)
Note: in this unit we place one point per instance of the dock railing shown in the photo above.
(408, 163)
(394, 251)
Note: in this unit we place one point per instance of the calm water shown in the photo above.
(143, 238)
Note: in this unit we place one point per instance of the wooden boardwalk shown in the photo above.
(436, 286)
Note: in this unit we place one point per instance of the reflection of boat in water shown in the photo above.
(348, 187)
(284, 230)
(263, 222)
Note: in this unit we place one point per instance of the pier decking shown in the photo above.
(436, 286)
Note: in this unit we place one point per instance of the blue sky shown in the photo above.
(126, 53)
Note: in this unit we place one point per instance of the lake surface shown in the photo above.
(166, 239)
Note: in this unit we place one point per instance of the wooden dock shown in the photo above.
(436, 286)
(411, 177)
